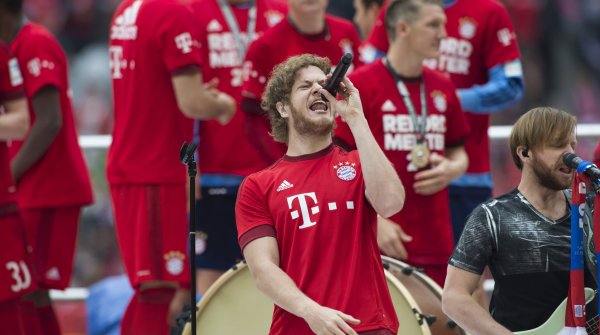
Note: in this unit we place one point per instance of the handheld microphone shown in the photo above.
(338, 74)
(573, 161)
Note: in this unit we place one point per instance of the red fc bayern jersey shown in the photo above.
(222, 60)
(149, 40)
(425, 218)
(11, 87)
(60, 177)
(284, 41)
(480, 37)
(316, 208)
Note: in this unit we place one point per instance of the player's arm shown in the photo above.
(458, 303)
(262, 255)
(443, 170)
(14, 122)
(383, 187)
(197, 101)
(504, 88)
(47, 125)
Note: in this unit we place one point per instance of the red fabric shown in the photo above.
(29, 318)
(326, 231)
(151, 226)
(51, 235)
(11, 87)
(221, 60)
(278, 44)
(10, 318)
(17, 277)
(147, 45)
(48, 321)
(425, 218)
(60, 177)
(151, 311)
(480, 36)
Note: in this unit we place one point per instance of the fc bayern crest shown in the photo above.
(174, 262)
(467, 27)
(439, 101)
(345, 171)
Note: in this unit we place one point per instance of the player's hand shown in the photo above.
(349, 107)
(436, 178)
(391, 238)
(327, 321)
(176, 306)
(211, 84)
(228, 108)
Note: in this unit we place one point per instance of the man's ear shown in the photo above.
(281, 109)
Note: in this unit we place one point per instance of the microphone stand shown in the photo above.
(186, 156)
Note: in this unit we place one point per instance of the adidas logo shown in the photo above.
(284, 186)
(214, 26)
(53, 274)
(388, 106)
(124, 27)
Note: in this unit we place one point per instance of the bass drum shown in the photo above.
(426, 292)
(233, 305)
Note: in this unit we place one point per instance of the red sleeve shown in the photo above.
(378, 37)
(500, 42)
(11, 79)
(256, 69)
(251, 212)
(179, 38)
(43, 63)
(457, 126)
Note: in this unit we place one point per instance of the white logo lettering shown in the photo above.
(306, 220)
(116, 61)
(505, 36)
(20, 275)
(124, 27)
(184, 42)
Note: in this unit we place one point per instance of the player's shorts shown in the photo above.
(217, 247)
(51, 235)
(463, 201)
(16, 276)
(151, 226)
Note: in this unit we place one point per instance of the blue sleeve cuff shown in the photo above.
(504, 88)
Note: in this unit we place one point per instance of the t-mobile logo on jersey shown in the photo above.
(116, 61)
(313, 206)
(306, 220)
(184, 42)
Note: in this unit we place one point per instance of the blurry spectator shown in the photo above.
(227, 29)
(365, 14)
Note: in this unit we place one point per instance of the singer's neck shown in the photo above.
(307, 23)
(551, 203)
(404, 61)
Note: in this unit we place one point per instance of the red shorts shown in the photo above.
(151, 225)
(16, 277)
(51, 235)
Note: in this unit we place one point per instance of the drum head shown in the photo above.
(427, 294)
(233, 305)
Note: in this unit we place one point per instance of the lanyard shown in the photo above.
(235, 29)
(420, 127)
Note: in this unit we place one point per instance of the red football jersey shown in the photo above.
(11, 87)
(315, 206)
(426, 218)
(480, 36)
(60, 177)
(221, 59)
(284, 41)
(149, 40)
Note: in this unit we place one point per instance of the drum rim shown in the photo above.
(409, 298)
(437, 289)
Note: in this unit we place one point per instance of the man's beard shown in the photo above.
(546, 178)
(305, 126)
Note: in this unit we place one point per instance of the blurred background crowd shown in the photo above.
(559, 41)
